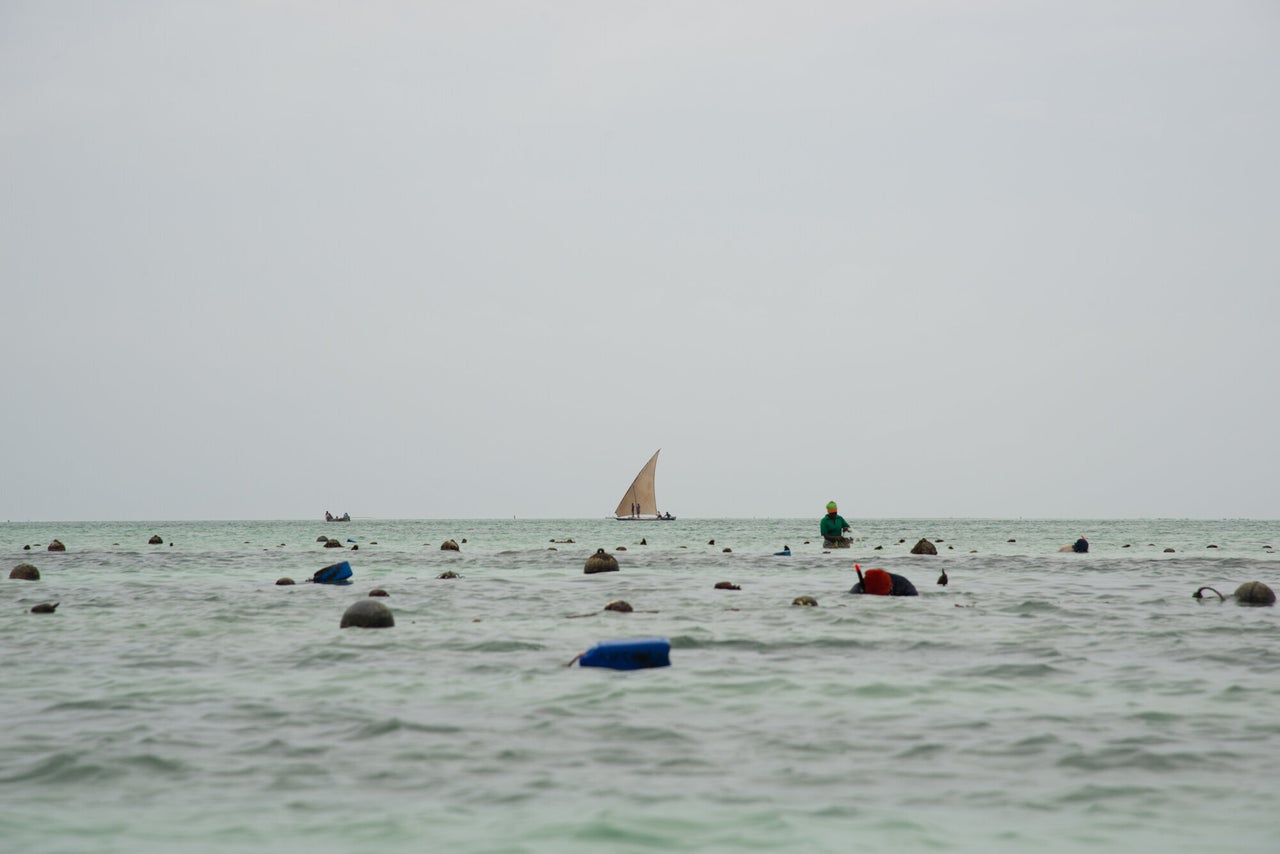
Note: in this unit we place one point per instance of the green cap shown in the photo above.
(831, 505)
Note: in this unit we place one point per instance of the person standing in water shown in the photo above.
(833, 527)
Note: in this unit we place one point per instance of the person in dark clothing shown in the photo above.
(877, 582)
(1080, 546)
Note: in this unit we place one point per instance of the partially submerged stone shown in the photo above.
(25, 572)
(807, 601)
(1255, 593)
(924, 547)
(368, 614)
(450, 546)
(57, 546)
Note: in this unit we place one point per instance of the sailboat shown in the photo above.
(639, 503)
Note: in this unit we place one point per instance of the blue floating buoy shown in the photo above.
(633, 654)
(338, 573)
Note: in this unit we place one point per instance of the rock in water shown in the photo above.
(45, 608)
(601, 561)
(25, 572)
(284, 582)
(155, 540)
(57, 546)
(449, 546)
(807, 601)
(619, 605)
(368, 614)
(1255, 593)
(924, 547)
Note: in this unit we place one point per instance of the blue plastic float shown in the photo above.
(633, 654)
(338, 573)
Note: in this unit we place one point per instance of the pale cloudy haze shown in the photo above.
(1012, 259)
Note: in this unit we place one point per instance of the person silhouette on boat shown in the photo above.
(878, 582)
(328, 517)
(833, 527)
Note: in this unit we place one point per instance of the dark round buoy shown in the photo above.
(284, 582)
(1255, 593)
(807, 601)
(27, 548)
(450, 546)
(711, 542)
(45, 608)
(377, 591)
(25, 572)
(367, 614)
(619, 605)
(727, 585)
(156, 540)
(464, 539)
(57, 546)
(601, 561)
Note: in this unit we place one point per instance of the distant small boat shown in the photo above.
(329, 517)
(640, 503)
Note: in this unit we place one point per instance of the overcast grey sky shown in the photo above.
(474, 259)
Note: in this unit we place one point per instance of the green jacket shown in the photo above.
(833, 525)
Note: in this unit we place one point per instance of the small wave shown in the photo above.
(1012, 671)
(1146, 760)
(60, 769)
(375, 729)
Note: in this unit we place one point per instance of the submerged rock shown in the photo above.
(1255, 593)
(57, 546)
(25, 572)
(156, 540)
(924, 547)
(619, 605)
(367, 614)
(807, 601)
(726, 585)
(284, 582)
(45, 608)
(450, 546)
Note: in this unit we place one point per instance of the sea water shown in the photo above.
(178, 700)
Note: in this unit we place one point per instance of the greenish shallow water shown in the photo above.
(180, 701)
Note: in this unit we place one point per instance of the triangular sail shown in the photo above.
(640, 499)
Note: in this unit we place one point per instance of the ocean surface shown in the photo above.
(178, 700)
